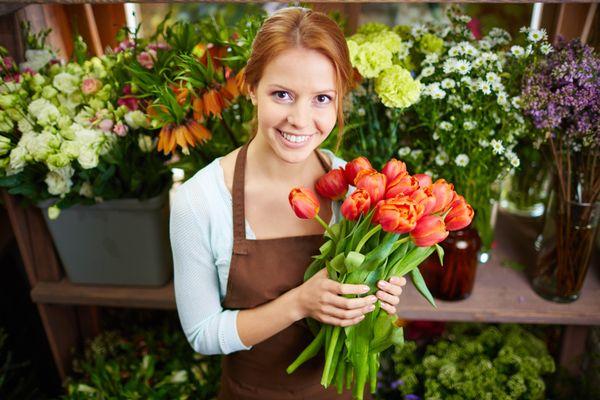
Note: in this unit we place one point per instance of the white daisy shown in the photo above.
(517, 51)
(466, 108)
(449, 65)
(469, 125)
(427, 71)
(445, 126)
(404, 151)
(485, 87)
(484, 143)
(442, 158)
(448, 83)
(461, 160)
(463, 67)
(546, 48)
(535, 35)
(497, 146)
(516, 102)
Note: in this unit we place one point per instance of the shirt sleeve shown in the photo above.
(207, 326)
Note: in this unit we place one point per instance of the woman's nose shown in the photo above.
(299, 116)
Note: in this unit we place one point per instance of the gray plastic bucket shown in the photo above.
(116, 242)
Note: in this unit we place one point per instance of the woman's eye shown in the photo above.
(323, 99)
(281, 95)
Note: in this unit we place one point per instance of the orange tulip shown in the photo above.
(353, 167)
(304, 203)
(332, 185)
(356, 204)
(373, 182)
(443, 193)
(403, 185)
(460, 215)
(424, 180)
(430, 230)
(424, 197)
(393, 168)
(397, 215)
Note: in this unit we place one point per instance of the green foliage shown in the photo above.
(476, 362)
(146, 364)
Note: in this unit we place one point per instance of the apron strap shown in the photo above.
(238, 198)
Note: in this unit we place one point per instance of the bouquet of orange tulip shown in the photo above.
(391, 223)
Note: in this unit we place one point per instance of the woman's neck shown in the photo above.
(265, 163)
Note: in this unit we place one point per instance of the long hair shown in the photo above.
(297, 27)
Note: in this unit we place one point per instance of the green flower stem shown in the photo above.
(362, 242)
(327, 228)
(309, 352)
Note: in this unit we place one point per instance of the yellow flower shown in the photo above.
(431, 44)
(372, 27)
(389, 39)
(372, 58)
(396, 87)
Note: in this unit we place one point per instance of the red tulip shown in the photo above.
(393, 168)
(443, 193)
(430, 230)
(332, 185)
(373, 182)
(460, 215)
(356, 204)
(424, 179)
(403, 185)
(304, 203)
(424, 197)
(354, 167)
(397, 215)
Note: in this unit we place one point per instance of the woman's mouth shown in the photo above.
(294, 141)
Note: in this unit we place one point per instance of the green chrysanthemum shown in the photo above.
(389, 39)
(372, 58)
(372, 27)
(431, 44)
(396, 87)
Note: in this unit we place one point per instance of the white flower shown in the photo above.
(66, 82)
(449, 65)
(59, 181)
(485, 44)
(497, 146)
(546, 48)
(484, 143)
(441, 158)
(427, 71)
(431, 58)
(468, 49)
(463, 67)
(416, 153)
(517, 51)
(485, 87)
(535, 35)
(466, 108)
(136, 119)
(445, 126)
(178, 376)
(418, 30)
(502, 98)
(44, 111)
(88, 157)
(461, 160)
(454, 51)
(18, 159)
(436, 92)
(404, 151)
(36, 59)
(53, 213)
(497, 86)
(492, 77)
(448, 83)
(86, 190)
(145, 143)
(469, 125)
(516, 102)
(41, 146)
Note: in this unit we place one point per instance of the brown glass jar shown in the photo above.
(455, 279)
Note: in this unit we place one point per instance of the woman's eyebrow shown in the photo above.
(290, 90)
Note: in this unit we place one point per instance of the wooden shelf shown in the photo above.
(501, 294)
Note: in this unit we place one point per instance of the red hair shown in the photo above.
(294, 27)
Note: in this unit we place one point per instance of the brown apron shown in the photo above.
(260, 271)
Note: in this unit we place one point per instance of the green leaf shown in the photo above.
(353, 261)
(397, 337)
(375, 257)
(419, 283)
(440, 252)
(338, 263)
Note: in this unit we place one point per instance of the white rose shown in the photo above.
(44, 111)
(18, 159)
(66, 82)
(36, 59)
(145, 143)
(42, 145)
(136, 119)
(88, 157)
(59, 182)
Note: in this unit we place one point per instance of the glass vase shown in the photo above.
(564, 249)
(456, 278)
(485, 223)
(524, 193)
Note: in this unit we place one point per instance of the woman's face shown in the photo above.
(296, 103)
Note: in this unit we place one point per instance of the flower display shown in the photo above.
(389, 227)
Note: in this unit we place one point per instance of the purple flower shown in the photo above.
(411, 397)
(395, 384)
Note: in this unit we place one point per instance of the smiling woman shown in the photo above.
(239, 270)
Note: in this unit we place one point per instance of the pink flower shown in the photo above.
(90, 86)
(124, 45)
(424, 180)
(147, 58)
(106, 125)
(120, 129)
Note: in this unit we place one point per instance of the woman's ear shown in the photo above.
(252, 94)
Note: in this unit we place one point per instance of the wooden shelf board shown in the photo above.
(501, 294)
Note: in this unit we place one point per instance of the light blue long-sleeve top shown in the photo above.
(201, 231)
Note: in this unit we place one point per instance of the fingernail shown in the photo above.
(382, 283)
(372, 299)
(371, 307)
(365, 289)
(394, 279)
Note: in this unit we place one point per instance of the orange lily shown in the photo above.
(213, 103)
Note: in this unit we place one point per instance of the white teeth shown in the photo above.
(294, 138)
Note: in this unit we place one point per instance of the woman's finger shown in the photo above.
(391, 310)
(349, 304)
(388, 298)
(394, 290)
(398, 280)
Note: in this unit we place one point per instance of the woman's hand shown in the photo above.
(389, 295)
(321, 298)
